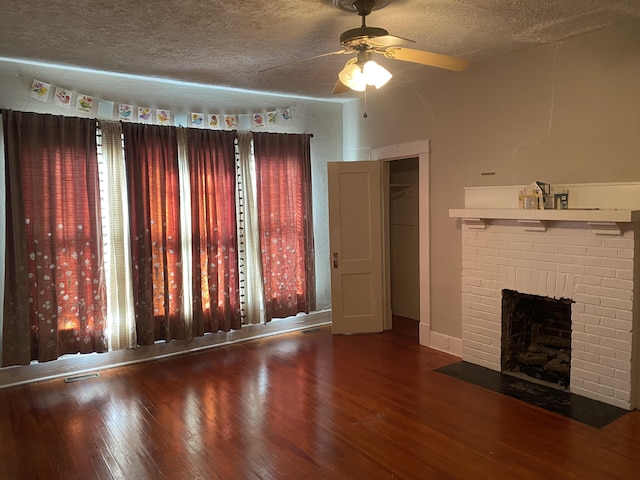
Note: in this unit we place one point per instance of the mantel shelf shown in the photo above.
(570, 215)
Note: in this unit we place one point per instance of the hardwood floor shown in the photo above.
(301, 405)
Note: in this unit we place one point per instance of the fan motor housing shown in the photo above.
(361, 33)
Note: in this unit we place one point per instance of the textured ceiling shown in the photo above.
(219, 42)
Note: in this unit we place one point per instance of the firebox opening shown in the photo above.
(536, 336)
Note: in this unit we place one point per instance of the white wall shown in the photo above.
(565, 112)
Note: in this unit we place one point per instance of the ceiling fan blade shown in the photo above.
(340, 88)
(340, 52)
(386, 41)
(426, 58)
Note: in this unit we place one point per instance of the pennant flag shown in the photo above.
(286, 114)
(145, 115)
(62, 98)
(125, 112)
(84, 103)
(231, 122)
(105, 109)
(163, 117)
(272, 118)
(197, 120)
(258, 120)
(214, 120)
(40, 90)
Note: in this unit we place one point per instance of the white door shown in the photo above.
(355, 239)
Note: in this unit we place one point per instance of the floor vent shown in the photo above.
(77, 378)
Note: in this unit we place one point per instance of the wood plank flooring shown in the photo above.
(300, 406)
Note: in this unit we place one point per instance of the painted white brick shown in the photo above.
(487, 235)
(617, 303)
(467, 234)
(592, 367)
(600, 311)
(600, 350)
(589, 357)
(588, 299)
(602, 252)
(589, 319)
(625, 295)
(587, 339)
(586, 375)
(589, 280)
(546, 266)
(509, 237)
(623, 374)
(628, 254)
(602, 389)
(626, 243)
(621, 325)
(474, 242)
(469, 250)
(589, 241)
(620, 355)
(602, 291)
(615, 383)
(616, 344)
(599, 330)
(617, 283)
(575, 269)
(620, 263)
(624, 315)
(624, 274)
(601, 272)
(621, 367)
(543, 248)
(556, 240)
(588, 261)
(572, 250)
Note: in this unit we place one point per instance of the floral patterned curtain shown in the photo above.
(216, 300)
(283, 171)
(54, 289)
(151, 161)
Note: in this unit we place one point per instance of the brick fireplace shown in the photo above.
(589, 257)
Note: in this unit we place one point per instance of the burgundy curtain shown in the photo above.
(212, 170)
(151, 160)
(54, 286)
(283, 171)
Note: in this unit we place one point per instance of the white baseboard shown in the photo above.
(69, 365)
(440, 341)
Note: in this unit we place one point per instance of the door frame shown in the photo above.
(402, 151)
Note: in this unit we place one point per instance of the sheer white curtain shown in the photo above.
(185, 228)
(251, 275)
(120, 312)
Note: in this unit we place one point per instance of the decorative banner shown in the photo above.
(40, 90)
(257, 120)
(214, 120)
(145, 115)
(105, 109)
(84, 103)
(62, 98)
(197, 120)
(231, 122)
(286, 114)
(272, 118)
(163, 117)
(125, 112)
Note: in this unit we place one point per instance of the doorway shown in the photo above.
(404, 240)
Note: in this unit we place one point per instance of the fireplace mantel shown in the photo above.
(569, 215)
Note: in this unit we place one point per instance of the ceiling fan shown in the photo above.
(366, 41)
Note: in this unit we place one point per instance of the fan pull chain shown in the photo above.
(364, 115)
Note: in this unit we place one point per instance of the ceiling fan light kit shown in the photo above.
(362, 71)
(365, 41)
